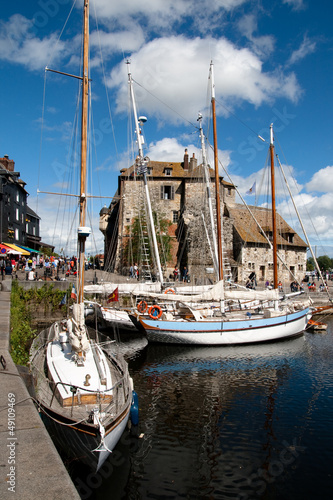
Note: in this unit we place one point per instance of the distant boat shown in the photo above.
(316, 325)
(81, 386)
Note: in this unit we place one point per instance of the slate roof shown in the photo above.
(249, 231)
(158, 170)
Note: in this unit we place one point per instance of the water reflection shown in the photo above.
(240, 422)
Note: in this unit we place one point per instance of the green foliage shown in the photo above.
(133, 249)
(325, 263)
(23, 305)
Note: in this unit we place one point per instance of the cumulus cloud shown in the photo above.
(321, 181)
(175, 69)
(18, 44)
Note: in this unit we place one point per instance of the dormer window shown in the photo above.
(149, 170)
(168, 171)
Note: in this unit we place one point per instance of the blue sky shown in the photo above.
(272, 63)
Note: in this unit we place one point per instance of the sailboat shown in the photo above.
(119, 318)
(278, 320)
(81, 387)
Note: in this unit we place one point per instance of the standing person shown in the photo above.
(2, 266)
(185, 274)
(175, 273)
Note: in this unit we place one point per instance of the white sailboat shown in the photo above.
(83, 389)
(276, 321)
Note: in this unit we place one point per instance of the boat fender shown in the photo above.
(155, 312)
(142, 306)
(134, 412)
(169, 290)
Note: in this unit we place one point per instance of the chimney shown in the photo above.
(193, 163)
(186, 160)
(7, 163)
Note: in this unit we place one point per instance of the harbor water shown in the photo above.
(243, 422)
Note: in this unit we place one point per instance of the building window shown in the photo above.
(300, 267)
(27, 228)
(17, 214)
(175, 216)
(229, 191)
(18, 197)
(149, 170)
(167, 171)
(17, 234)
(128, 220)
(34, 230)
(11, 234)
(167, 192)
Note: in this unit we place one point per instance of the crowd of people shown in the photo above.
(39, 267)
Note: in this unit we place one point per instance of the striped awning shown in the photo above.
(17, 249)
(28, 249)
(6, 250)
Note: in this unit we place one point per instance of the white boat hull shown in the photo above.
(219, 332)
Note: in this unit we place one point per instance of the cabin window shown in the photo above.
(167, 192)
(175, 216)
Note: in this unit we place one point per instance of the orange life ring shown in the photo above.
(155, 312)
(142, 306)
(169, 290)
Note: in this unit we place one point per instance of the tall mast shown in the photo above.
(141, 164)
(271, 149)
(209, 196)
(84, 132)
(217, 179)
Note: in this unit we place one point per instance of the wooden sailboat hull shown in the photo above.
(221, 332)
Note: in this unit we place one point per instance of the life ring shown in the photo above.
(155, 312)
(142, 306)
(169, 290)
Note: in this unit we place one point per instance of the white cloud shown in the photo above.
(176, 69)
(295, 4)
(307, 47)
(160, 12)
(322, 181)
(19, 45)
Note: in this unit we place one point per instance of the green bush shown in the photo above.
(23, 305)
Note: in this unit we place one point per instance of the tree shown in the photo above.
(133, 248)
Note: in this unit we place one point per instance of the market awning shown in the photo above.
(17, 249)
(28, 249)
(5, 250)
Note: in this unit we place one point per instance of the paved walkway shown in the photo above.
(29, 462)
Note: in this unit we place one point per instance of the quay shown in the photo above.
(30, 465)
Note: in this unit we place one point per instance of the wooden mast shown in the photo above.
(217, 180)
(271, 148)
(84, 132)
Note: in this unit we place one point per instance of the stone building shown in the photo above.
(178, 195)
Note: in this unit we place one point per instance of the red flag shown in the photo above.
(113, 297)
